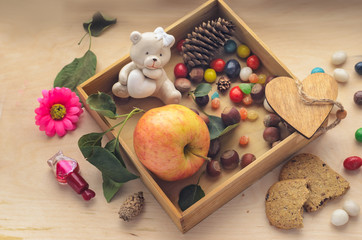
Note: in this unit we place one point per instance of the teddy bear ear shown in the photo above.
(135, 37)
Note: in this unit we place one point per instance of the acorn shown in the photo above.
(132, 206)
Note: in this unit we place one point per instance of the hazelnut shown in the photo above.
(229, 159)
(271, 120)
(214, 147)
(182, 84)
(271, 134)
(257, 93)
(213, 168)
(230, 116)
(246, 159)
(196, 75)
(202, 101)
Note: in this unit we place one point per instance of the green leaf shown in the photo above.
(77, 71)
(99, 24)
(103, 104)
(110, 187)
(189, 195)
(113, 147)
(228, 129)
(217, 127)
(88, 141)
(202, 89)
(109, 165)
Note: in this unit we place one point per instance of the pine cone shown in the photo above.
(200, 45)
(223, 84)
(132, 206)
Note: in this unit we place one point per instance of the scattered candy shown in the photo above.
(352, 163)
(339, 217)
(236, 95)
(215, 95)
(66, 170)
(230, 46)
(243, 51)
(232, 68)
(358, 135)
(267, 106)
(218, 65)
(180, 70)
(245, 88)
(253, 78)
(215, 103)
(357, 97)
(244, 140)
(340, 75)
(351, 207)
(247, 99)
(252, 115)
(358, 68)
(243, 113)
(253, 62)
(317, 70)
(262, 78)
(339, 57)
(245, 72)
(210, 75)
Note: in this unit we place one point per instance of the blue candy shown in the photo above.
(317, 70)
(230, 46)
(215, 95)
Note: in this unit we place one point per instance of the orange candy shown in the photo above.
(247, 100)
(243, 113)
(215, 103)
(253, 78)
(244, 140)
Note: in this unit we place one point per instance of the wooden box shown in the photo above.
(230, 183)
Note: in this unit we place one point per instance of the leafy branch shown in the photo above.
(107, 159)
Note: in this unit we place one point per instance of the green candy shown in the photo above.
(245, 88)
(358, 135)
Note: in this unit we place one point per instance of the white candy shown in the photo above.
(339, 57)
(267, 106)
(351, 207)
(340, 75)
(339, 217)
(245, 72)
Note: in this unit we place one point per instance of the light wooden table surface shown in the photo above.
(37, 38)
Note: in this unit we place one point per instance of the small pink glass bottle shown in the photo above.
(66, 171)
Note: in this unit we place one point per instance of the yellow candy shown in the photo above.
(243, 51)
(252, 115)
(262, 78)
(210, 75)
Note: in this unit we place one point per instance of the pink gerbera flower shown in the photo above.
(58, 112)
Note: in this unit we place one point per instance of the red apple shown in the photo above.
(169, 141)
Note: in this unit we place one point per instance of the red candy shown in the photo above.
(253, 62)
(180, 70)
(236, 95)
(352, 163)
(180, 44)
(218, 65)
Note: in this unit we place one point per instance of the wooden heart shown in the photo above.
(283, 97)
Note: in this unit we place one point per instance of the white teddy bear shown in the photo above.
(145, 76)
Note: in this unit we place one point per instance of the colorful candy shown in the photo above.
(232, 68)
(253, 62)
(340, 75)
(339, 57)
(218, 65)
(358, 68)
(230, 46)
(317, 70)
(243, 51)
(244, 140)
(358, 135)
(210, 75)
(352, 163)
(245, 88)
(180, 70)
(236, 95)
(245, 72)
(215, 103)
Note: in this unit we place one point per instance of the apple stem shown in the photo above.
(198, 155)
